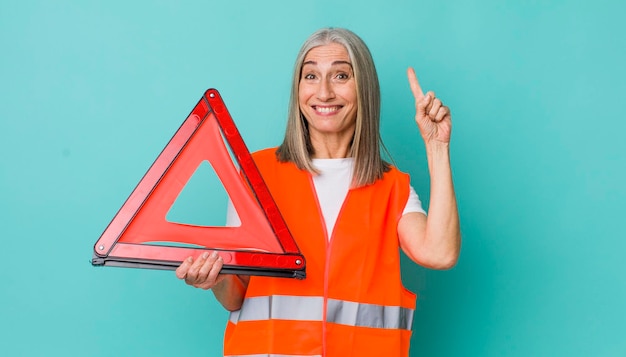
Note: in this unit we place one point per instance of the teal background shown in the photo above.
(92, 91)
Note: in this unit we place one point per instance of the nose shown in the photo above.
(325, 90)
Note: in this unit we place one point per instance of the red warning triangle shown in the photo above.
(139, 236)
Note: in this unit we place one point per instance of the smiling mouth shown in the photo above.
(326, 110)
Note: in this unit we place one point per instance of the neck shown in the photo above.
(331, 148)
(330, 152)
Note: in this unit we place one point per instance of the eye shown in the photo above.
(342, 76)
(309, 76)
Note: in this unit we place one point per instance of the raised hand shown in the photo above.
(432, 117)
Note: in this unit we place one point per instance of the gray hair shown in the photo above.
(366, 143)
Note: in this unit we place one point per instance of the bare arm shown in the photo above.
(433, 241)
(204, 273)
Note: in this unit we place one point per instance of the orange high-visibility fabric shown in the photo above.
(360, 263)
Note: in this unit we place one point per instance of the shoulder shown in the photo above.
(396, 182)
(267, 160)
(265, 154)
(395, 174)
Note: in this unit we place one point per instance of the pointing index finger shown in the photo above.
(415, 85)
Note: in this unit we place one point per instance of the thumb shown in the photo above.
(181, 271)
(422, 104)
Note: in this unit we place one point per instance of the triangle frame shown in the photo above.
(132, 238)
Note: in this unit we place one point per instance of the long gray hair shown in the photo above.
(366, 143)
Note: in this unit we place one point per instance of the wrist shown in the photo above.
(438, 157)
(435, 147)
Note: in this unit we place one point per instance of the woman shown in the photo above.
(349, 212)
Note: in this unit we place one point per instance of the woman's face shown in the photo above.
(327, 92)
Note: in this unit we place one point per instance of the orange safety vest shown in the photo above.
(352, 302)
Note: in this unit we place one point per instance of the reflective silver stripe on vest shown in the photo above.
(281, 307)
(309, 308)
(369, 315)
(266, 355)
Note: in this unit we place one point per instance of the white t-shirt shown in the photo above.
(331, 186)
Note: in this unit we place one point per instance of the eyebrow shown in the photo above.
(334, 63)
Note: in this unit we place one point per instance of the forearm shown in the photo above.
(442, 237)
(230, 291)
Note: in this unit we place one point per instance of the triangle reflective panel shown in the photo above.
(139, 236)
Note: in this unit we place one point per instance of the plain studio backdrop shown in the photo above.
(91, 91)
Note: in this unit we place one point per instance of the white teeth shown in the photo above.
(325, 110)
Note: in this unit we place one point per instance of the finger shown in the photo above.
(194, 270)
(415, 85)
(442, 113)
(181, 271)
(203, 274)
(434, 108)
(215, 269)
